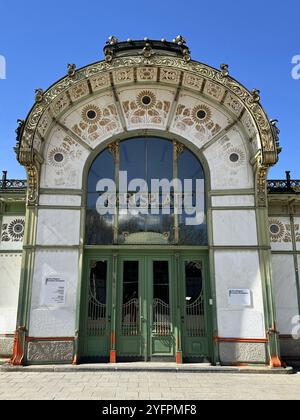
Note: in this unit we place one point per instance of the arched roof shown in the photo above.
(170, 55)
(173, 66)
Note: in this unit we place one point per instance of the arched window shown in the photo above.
(146, 191)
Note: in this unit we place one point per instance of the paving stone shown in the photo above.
(147, 386)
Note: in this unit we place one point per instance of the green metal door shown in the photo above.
(96, 309)
(145, 327)
(195, 328)
(145, 306)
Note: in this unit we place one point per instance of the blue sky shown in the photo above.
(256, 38)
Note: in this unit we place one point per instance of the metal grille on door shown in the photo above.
(130, 318)
(161, 318)
(96, 324)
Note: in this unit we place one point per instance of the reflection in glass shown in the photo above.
(195, 321)
(192, 235)
(144, 228)
(102, 167)
(146, 158)
(189, 167)
(97, 299)
(161, 299)
(130, 307)
(99, 229)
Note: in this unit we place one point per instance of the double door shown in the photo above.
(145, 307)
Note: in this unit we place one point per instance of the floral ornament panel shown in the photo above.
(97, 123)
(233, 156)
(279, 231)
(12, 232)
(200, 122)
(147, 108)
(229, 162)
(64, 159)
(297, 232)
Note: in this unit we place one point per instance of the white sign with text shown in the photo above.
(54, 291)
(239, 297)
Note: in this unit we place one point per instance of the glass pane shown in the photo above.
(147, 229)
(133, 158)
(154, 162)
(97, 299)
(192, 234)
(189, 166)
(102, 167)
(161, 300)
(99, 229)
(130, 308)
(147, 159)
(195, 321)
(159, 160)
(192, 221)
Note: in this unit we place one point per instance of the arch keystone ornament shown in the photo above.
(145, 89)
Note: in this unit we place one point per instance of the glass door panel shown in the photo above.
(130, 305)
(128, 310)
(162, 343)
(161, 299)
(95, 326)
(194, 320)
(194, 310)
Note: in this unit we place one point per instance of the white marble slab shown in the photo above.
(10, 269)
(58, 227)
(234, 227)
(54, 321)
(239, 270)
(233, 201)
(285, 290)
(59, 200)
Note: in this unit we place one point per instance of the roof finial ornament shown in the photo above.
(276, 132)
(112, 40)
(255, 95)
(186, 55)
(19, 132)
(224, 70)
(71, 70)
(39, 95)
(108, 55)
(274, 123)
(180, 40)
(147, 50)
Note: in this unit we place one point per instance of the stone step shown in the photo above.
(149, 367)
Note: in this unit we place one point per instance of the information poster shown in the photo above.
(239, 297)
(54, 291)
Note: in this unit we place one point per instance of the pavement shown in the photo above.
(146, 385)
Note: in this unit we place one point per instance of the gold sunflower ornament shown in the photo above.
(201, 114)
(146, 99)
(91, 114)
